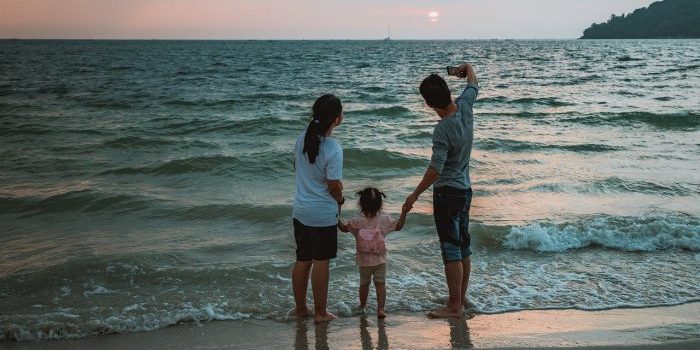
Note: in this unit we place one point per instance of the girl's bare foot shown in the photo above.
(325, 317)
(381, 313)
(444, 312)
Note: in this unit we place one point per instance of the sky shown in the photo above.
(305, 19)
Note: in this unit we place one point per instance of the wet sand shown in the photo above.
(676, 327)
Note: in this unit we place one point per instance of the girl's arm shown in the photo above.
(347, 227)
(401, 220)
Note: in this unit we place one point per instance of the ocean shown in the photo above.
(149, 183)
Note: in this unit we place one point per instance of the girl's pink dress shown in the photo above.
(384, 222)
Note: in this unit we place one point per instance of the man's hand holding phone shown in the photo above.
(461, 72)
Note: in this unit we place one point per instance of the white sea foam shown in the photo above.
(65, 291)
(278, 277)
(65, 325)
(97, 289)
(134, 307)
(617, 233)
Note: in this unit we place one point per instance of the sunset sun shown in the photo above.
(433, 16)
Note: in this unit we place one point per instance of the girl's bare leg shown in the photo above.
(319, 286)
(381, 298)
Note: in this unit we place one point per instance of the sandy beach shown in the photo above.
(676, 327)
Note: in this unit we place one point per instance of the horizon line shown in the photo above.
(289, 39)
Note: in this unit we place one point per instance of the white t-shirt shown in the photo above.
(313, 204)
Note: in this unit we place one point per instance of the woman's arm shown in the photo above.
(335, 188)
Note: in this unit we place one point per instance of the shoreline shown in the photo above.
(668, 327)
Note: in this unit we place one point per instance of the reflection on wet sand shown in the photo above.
(301, 339)
(321, 330)
(366, 338)
(459, 334)
(344, 336)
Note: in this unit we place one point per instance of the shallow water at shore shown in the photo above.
(147, 183)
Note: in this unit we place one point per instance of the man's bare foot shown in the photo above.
(444, 312)
(300, 313)
(325, 317)
(381, 313)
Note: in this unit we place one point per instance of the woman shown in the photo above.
(318, 166)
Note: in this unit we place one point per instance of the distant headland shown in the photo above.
(662, 19)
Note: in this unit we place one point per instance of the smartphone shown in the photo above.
(452, 70)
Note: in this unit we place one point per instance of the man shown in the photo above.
(449, 173)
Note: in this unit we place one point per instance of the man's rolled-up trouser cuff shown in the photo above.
(452, 252)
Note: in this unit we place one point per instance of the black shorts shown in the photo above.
(315, 243)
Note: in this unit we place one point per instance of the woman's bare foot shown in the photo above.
(325, 317)
(444, 312)
(300, 313)
(381, 313)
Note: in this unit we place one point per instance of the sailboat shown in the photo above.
(388, 37)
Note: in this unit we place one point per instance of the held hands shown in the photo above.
(342, 226)
(408, 204)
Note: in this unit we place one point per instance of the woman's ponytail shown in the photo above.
(325, 110)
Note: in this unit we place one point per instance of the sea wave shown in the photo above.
(23, 130)
(216, 164)
(393, 111)
(93, 201)
(620, 233)
(132, 142)
(545, 101)
(251, 213)
(88, 200)
(257, 126)
(367, 158)
(231, 102)
(661, 121)
(683, 69)
(617, 184)
(522, 146)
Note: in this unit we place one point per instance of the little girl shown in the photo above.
(369, 231)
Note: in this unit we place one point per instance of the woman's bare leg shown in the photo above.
(319, 286)
(300, 282)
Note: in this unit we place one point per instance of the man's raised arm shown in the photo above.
(465, 70)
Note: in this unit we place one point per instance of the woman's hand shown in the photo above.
(342, 226)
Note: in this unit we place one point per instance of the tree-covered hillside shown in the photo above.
(662, 19)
